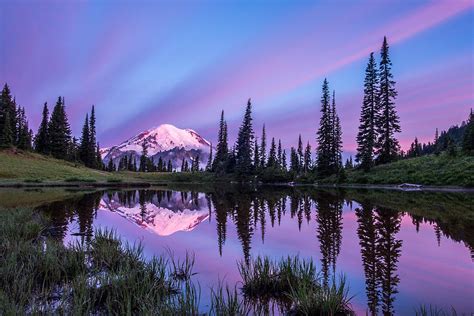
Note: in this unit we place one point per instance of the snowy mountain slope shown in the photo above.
(165, 141)
(156, 218)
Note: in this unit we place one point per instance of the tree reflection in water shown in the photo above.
(378, 218)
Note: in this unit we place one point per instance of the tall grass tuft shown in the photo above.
(432, 310)
(226, 301)
(295, 285)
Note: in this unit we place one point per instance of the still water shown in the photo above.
(398, 250)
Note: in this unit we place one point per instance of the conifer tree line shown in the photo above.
(14, 129)
(458, 139)
(252, 154)
(54, 133)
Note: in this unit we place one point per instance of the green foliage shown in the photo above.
(428, 170)
(244, 145)
(295, 281)
(468, 137)
(59, 131)
(366, 136)
(387, 120)
(42, 137)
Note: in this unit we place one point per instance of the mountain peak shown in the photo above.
(162, 139)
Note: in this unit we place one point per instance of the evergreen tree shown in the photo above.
(7, 118)
(195, 164)
(349, 164)
(451, 148)
(307, 158)
(300, 152)
(279, 155)
(294, 161)
(387, 120)
(256, 155)
(220, 160)
(59, 131)
(111, 166)
(437, 148)
(182, 165)
(129, 166)
(23, 137)
(367, 135)
(209, 161)
(170, 166)
(336, 136)
(244, 146)
(100, 163)
(324, 134)
(6, 137)
(85, 147)
(160, 165)
(468, 137)
(272, 156)
(135, 164)
(186, 166)
(42, 138)
(144, 156)
(283, 160)
(263, 149)
(92, 156)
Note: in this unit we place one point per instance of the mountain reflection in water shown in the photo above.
(398, 249)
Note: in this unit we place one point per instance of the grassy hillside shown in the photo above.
(427, 170)
(25, 167)
(18, 166)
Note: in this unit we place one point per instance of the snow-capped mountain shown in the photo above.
(165, 141)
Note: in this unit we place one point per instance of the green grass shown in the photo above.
(18, 166)
(106, 276)
(294, 283)
(433, 170)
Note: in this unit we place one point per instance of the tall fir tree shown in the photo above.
(244, 145)
(256, 155)
(98, 158)
(144, 156)
(6, 136)
(111, 166)
(283, 160)
(263, 149)
(387, 120)
(195, 164)
(84, 147)
(182, 164)
(307, 158)
(272, 156)
(220, 160)
(336, 135)
(7, 118)
(300, 151)
(279, 154)
(324, 134)
(92, 156)
(59, 131)
(209, 160)
(42, 138)
(170, 166)
(23, 137)
(468, 137)
(367, 134)
(294, 161)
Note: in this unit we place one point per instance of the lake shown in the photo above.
(397, 249)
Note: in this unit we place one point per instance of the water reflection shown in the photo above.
(253, 214)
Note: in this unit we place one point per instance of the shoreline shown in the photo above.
(395, 187)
